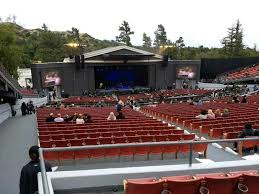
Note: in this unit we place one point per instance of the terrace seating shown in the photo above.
(213, 183)
(248, 72)
(136, 128)
(214, 128)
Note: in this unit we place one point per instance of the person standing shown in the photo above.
(28, 178)
(24, 108)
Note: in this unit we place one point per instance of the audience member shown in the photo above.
(80, 119)
(225, 113)
(50, 118)
(218, 113)
(247, 131)
(89, 119)
(120, 115)
(58, 119)
(235, 99)
(202, 115)
(210, 114)
(244, 100)
(111, 117)
(119, 106)
(68, 118)
(75, 116)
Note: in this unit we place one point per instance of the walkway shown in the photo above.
(17, 134)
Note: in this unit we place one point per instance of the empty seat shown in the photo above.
(143, 186)
(183, 184)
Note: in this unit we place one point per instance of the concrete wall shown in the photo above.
(5, 112)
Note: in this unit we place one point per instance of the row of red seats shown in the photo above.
(115, 133)
(118, 152)
(166, 134)
(213, 183)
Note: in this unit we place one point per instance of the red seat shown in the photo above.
(133, 139)
(143, 186)
(146, 138)
(79, 154)
(105, 140)
(48, 155)
(251, 181)
(183, 184)
(219, 183)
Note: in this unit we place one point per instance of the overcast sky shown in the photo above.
(199, 22)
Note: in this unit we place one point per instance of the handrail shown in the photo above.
(75, 148)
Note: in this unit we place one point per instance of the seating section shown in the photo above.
(88, 100)
(136, 128)
(248, 72)
(213, 183)
(165, 93)
(220, 127)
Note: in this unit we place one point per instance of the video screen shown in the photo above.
(52, 78)
(186, 72)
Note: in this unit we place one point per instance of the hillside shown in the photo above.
(45, 45)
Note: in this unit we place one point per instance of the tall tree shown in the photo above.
(45, 27)
(147, 43)
(125, 33)
(160, 36)
(10, 52)
(233, 42)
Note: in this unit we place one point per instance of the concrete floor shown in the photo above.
(17, 135)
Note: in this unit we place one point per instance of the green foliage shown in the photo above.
(125, 33)
(147, 43)
(160, 36)
(10, 53)
(233, 43)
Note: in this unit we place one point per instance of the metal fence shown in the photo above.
(76, 148)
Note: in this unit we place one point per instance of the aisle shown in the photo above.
(17, 134)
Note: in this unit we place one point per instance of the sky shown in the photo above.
(199, 22)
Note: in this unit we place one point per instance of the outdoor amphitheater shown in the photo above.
(129, 97)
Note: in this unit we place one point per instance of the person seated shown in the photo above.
(210, 114)
(68, 118)
(120, 115)
(256, 132)
(235, 99)
(225, 113)
(50, 118)
(247, 131)
(80, 119)
(202, 115)
(58, 119)
(75, 116)
(244, 100)
(89, 119)
(111, 117)
(218, 113)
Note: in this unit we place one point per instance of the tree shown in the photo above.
(10, 52)
(160, 36)
(50, 47)
(45, 27)
(147, 43)
(233, 42)
(125, 33)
